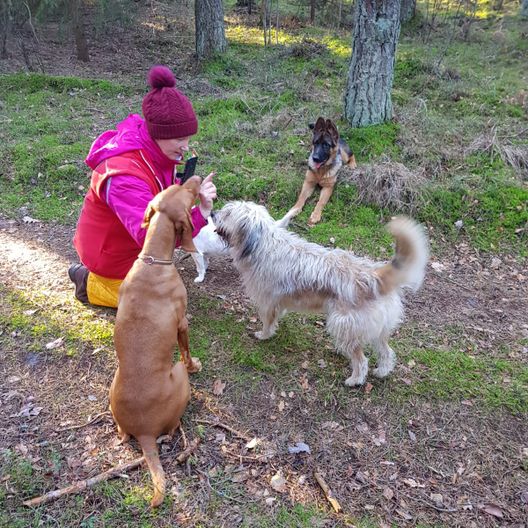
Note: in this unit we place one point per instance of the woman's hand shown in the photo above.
(207, 195)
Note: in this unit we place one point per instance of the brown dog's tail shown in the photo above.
(150, 452)
(407, 267)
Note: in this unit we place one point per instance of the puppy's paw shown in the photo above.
(196, 366)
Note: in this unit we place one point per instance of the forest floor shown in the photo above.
(442, 442)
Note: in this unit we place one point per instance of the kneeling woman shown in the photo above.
(130, 166)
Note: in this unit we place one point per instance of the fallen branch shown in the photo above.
(184, 455)
(227, 428)
(81, 485)
(328, 492)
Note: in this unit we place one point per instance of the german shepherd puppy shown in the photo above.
(327, 156)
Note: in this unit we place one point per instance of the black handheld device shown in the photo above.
(190, 167)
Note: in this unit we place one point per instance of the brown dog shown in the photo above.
(328, 155)
(149, 394)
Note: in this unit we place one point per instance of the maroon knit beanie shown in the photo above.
(168, 113)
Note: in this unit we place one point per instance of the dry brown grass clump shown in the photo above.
(513, 154)
(387, 184)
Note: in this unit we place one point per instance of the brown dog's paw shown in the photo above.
(315, 218)
(196, 366)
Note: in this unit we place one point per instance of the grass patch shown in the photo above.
(456, 375)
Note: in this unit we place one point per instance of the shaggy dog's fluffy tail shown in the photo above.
(407, 267)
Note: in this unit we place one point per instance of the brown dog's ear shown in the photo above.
(184, 230)
(149, 213)
(332, 130)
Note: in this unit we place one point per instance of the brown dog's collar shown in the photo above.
(148, 259)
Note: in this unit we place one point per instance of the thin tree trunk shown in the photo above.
(374, 37)
(524, 9)
(312, 11)
(407, 11)
(209, 25)
(81, 44)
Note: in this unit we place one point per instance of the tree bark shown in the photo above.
(369, 83)
(524, 9)
(81, 44)
(407, 11)
(209, 25)
(312, 11)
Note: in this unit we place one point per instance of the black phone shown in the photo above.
(190, 167)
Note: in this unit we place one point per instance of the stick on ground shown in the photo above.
(81, 485)
(227, 428)
(327, 491)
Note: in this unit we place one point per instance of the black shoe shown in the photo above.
(79, 276)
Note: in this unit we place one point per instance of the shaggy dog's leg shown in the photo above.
(269, 315)
(359, 364)
(386, 357)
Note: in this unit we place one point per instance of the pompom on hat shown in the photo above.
(167, 112)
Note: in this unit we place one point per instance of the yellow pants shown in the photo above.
(102, 291)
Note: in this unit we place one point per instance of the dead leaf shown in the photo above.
(241, 476)
(304, 382)
(253, 443)
(412, 483)
(304, 365)
(321, 363)
(29, 409)
(388, 493)
(437, 498)
(55, 344)
(281, 406)
(218, 387)
(438, 267)
(278, 482)
(92, 397)
(368, 388)
(412, 436)
(270, 501)
(405, 514)
(492, 509)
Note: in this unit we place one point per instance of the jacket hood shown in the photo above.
(130, 134)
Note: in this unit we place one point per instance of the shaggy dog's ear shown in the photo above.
(250, 239)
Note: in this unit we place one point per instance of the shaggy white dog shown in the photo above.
(363, 299)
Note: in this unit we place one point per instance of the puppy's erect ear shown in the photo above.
(331, 129)
(319, 125)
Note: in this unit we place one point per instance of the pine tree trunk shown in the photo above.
(369, 83)
(407, 11)
(209, 24)
(524, 9)
(81, 44)
(312, 11)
